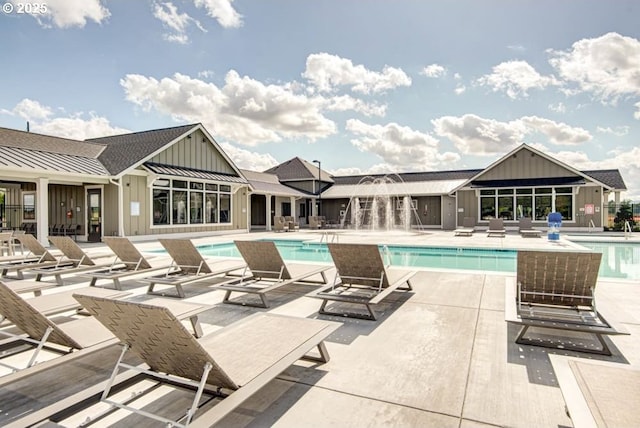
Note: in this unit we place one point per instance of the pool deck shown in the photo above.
(441, 355)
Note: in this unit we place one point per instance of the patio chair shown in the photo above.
(38, 256)
(30, 316)
(468, 227)
(525, 228)
(187, 267)
(71, 252)
(280, 225)
(363, 279)
(555, 290)
(128, 262)
(598, 393)
(265, 271)
(496, 227)
(234, 362)
(293, 224)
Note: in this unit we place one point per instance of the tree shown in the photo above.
(625, 213)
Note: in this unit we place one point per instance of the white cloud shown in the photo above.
(558, 108)
(401, 147)
(434, 70)
(78, 128)
(475, 135)
(557, 132)
(246, 159)
(168, 14)
(606, 66)
(243, 110)
(327, 72)
(222, 11)
(460, 89)
(31, 110)
(636, 114)
(619, 131)
(346, 102)
(66, 13)
(516, 78)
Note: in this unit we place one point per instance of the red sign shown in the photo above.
(589, 209)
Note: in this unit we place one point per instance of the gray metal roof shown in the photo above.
(266, 183)
(124, 151)
(38, 160)
(177, 171)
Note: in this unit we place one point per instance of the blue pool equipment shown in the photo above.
(555, 221)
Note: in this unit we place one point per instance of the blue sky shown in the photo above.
(364, 86)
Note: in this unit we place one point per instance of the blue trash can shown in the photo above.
(555, 221)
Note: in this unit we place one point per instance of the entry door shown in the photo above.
(448, 213)
(94, 215)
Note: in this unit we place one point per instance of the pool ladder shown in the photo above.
(325, 237)
(627, 229)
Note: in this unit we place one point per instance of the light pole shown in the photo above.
(319, 187)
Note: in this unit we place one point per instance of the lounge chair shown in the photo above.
(267, 272)
(187, 266)
(38, 256)
(496, 227)
(128, 262)
(280, 225)
(525, 227)
(598, 393)
(30, 317)
(79, 260)
(237, 360)
(363, 279)
(468, 227)
(555, 290)
(293, 224)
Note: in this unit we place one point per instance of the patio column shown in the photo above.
(293, 207)
(268, 200)
(42, 210)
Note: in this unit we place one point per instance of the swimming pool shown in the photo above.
(619, 259)
(444, 257)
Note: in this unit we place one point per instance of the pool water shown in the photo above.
(430, 257)
(619, 259)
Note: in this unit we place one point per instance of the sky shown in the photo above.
(364, 86)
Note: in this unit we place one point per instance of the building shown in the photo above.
(179, 181)
(164, 181)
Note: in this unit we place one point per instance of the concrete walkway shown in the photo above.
(441, 355)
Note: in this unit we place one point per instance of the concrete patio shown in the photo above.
(441, 355)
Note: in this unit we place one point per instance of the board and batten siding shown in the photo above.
(588, 195)
(196, 152)
(467, 205)
(525, 164)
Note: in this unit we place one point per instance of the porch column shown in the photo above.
(293, 208)
(42, 210)
(268, 203)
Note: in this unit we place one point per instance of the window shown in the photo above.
(190, 202)
(536, 203)
(28, 206)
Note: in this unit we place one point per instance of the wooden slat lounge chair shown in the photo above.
(525, 228)
(30, 317)
(71, 252)
(361, 279)
(265, 271)
(598, 393)
(38, 256)
(555, 290)
(236, 361)
(128, 262)
(187, 267)
(468, 227)
(496, 227)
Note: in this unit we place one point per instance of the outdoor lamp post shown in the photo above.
(319, 187)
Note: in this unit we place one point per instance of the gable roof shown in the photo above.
(123, 151)
(610, 177)
(298, 169)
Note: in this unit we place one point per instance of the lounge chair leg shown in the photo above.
(39, 277)
(59, 280)
(116, 284)
(93, 282)
(45, 336)
(324, 354)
